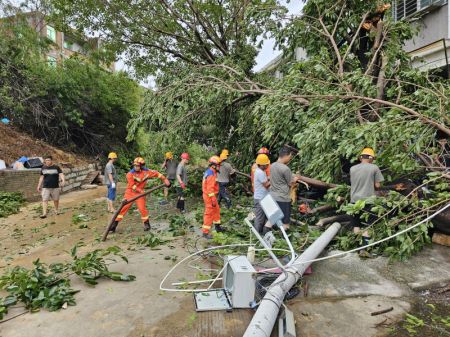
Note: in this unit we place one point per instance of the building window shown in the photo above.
(406, 8)
(68, 45)
(51, 61)
(51, 33)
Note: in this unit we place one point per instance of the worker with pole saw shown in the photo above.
(136, 181)
(210, 189)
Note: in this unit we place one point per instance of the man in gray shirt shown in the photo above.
(110, 180)
(223, 178)
(365, 178)
(182, 181)
(281, 180)
(170, 165)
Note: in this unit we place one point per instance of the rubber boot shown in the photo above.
(219, 228)
(112, 229)
(147, 226)
(228, 202)
(207, 236)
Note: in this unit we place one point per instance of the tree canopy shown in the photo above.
(156, 35)
(75, 104)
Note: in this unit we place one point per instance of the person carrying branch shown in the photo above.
(136, 180)
(210, 189)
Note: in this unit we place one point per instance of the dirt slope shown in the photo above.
(15, 144)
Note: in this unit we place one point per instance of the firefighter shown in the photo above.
(263, 150)
(136, 181)
(210, 190)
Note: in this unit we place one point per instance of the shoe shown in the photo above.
(182, 211)
(269, 238)
(207, 236)
(219, 228)
(43, 216)
(114, 226)
(365, 254)
(147, 226)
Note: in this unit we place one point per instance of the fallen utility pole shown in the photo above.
(126, 202)
(264, 319)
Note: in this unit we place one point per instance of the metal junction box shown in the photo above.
(239, 280)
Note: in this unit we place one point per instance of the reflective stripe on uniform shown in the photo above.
(211, 194)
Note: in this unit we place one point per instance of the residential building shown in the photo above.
(430, 48)
(65, 44)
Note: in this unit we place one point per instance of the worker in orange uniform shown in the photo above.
(136, 181)
(263, 150)
(210, 189)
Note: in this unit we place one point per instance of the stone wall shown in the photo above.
(25, 181)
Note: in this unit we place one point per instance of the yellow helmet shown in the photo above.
(262, 159)
(223, 156)
(368, 151)
(169, 155)
(225, 151)
(112, 155)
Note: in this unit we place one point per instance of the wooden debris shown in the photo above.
(441, 239)
(376, 313)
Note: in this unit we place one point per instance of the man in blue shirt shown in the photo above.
(261, 184)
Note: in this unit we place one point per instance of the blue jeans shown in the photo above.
(223, 194)
(111, 195)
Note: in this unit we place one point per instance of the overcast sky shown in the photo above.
(268, 53)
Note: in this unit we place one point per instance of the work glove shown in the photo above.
(113, 185)
(183, 186)
(213, 201)
(134, 187)
(167, 182)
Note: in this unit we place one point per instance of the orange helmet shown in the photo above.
(263, 150)
(185, 155)
(139, 161)
(214, 160)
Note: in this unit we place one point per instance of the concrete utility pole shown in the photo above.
(266, 315)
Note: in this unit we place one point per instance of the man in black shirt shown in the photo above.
(50, 184)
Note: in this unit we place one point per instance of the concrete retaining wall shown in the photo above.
(25, 181)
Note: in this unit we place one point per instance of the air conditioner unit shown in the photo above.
(239, 280)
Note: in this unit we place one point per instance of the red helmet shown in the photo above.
(264, 150)
(185, 155)
(214, 160)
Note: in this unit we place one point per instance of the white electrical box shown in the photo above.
(239, 279)
(271, 209)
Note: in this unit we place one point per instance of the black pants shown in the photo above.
(223, 194)
(180, 200)
(361, 223)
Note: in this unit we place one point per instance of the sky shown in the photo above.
(268, 51)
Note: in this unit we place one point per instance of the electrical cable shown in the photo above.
(373, 243)
(270, 251)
